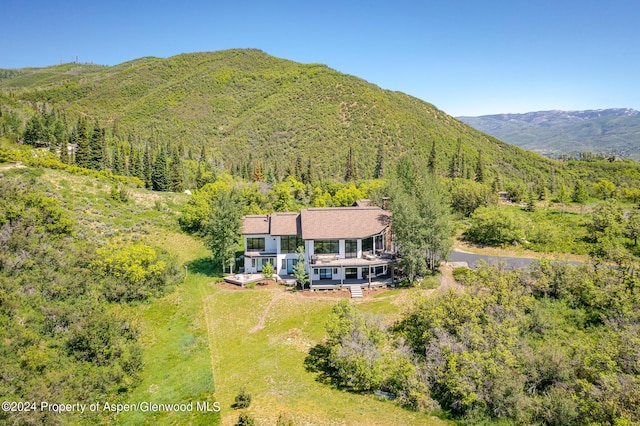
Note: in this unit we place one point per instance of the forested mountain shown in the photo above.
(608, 131)
(245, 105)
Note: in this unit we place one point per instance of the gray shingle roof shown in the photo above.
(321, 223)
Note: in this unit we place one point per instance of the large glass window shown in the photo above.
(290, 243)
(367, 244)
(255, 244)
(325, 273)
(326, 246)
(351, 248)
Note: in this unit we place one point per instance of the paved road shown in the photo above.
(509, 262)
(471, 259)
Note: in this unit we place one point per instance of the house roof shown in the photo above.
(286, 224)
(321, 223)
(255, 224)
(343, 222)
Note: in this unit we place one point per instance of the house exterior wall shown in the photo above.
(355, 223)
(270, 242)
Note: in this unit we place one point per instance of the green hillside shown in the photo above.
(245, 104)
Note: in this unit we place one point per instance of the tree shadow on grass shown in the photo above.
(205, 266)
(318, 362)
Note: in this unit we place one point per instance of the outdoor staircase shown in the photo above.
(356, 291)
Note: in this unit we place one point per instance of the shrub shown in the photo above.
(268, 270)
(284, 420)
(462, 275)
(467, 196)
(246, 419)
(494, 227)
(243, 399)
(131, 273)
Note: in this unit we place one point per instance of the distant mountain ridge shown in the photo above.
(605, 131)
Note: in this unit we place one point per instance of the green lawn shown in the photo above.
(205, 342)
(269, 362)
(174, 334)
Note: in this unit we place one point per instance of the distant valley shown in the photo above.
(553, 133)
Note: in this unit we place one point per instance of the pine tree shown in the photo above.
(457, 163)
(256, 176)
(310, 176)
(134, 165)
(479, 168)
(300, 268)
(126, 160)
(270, 178)
(432, 158)
(34, 131)
(203, 154)
(379, 171)
(562, 196)
(580, 194)
(552, 180)
(463, 167)
(159, 178)
(147, 167)
(349, 174)
(298, 169)
(175, 172)
(530, 200)
(83, 149)
(118, 165)
(97, 148)
(276, 172)
(64, 151)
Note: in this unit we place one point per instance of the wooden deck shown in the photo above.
(243, 279)
(347, 284)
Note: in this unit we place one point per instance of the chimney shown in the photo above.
(385, 203)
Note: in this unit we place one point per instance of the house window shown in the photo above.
(351, 248)
(255, 244)
(325, 273)
(351, 273)
(367, 244)
(326, 246)
(290, 243)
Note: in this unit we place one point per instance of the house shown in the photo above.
(340, 244)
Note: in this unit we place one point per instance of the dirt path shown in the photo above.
(447, 282)
(275, 296)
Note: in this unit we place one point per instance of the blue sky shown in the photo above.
(467, 57)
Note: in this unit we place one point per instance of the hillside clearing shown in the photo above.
(269, 361)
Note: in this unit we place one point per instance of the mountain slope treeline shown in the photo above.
(175, 123)
(244, 104)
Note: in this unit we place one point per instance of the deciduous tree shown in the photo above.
(223, 228)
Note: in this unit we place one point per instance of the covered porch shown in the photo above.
(339, 273)
(255, 260)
